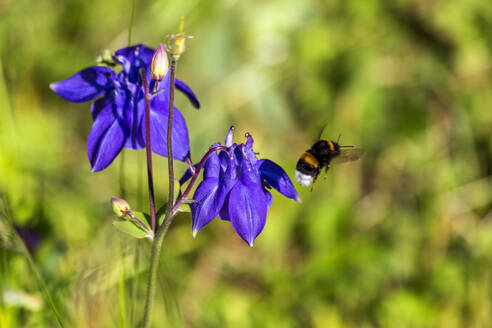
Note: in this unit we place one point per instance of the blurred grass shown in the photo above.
(401, 238)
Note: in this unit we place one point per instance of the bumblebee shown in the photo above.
(323, 153)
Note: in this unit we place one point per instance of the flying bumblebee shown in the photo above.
(323, 153)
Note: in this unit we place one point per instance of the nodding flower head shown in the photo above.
(235, 188)
(119, 114)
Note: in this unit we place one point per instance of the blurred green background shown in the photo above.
(401, 238)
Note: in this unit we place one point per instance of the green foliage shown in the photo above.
(130, 228)
(401, 238)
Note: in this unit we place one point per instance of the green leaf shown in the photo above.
(145, 218)
(130, 228)
(161, 213)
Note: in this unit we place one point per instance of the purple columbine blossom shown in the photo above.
(235, 187)
(119, 116)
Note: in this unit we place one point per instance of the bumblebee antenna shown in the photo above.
(338, 140)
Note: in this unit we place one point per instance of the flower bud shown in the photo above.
(160, 64)
(120, 206)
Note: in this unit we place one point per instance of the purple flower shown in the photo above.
(119, 115)
(235, 187)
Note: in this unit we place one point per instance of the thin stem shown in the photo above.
(130, 27)
(169, 133)
(122, 175)
(195, 176)
(148, 147)
(154, 265)
(162, 229)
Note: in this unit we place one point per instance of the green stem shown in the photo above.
(169, 134)
(130, 27)
(122, 175)
(148, 148)
(154, 265)
(162, 229)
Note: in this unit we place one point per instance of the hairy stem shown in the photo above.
(154, 265)
(148, 147)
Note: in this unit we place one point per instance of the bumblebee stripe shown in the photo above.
(310, 159)
(330, 144)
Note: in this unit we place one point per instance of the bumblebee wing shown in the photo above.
(348, 155)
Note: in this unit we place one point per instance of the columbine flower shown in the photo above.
(119, 115)
(235, 188)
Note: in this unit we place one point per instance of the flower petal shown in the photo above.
(136, 122)
(228, 178)
(133, 58)
(158, 131)
(208, 204)
(186, 176)
(276, 177)
(268, 197)
(86, 85)
(212, 165)
(248, 148)
(107, 136)
(224, 210)
(248, 204)
(184, 88)
(229, 137)
(247, 210)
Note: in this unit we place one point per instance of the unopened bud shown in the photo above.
(120, 206)
(160, 64)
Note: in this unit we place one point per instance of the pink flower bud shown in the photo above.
(160, 64)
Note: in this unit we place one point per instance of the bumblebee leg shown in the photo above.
(326, 170)
(315, 177)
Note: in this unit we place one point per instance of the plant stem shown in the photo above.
(130, 27)
(148, 147)
(154, 265)
(169, 134)
(161, 230)
(122, 174)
